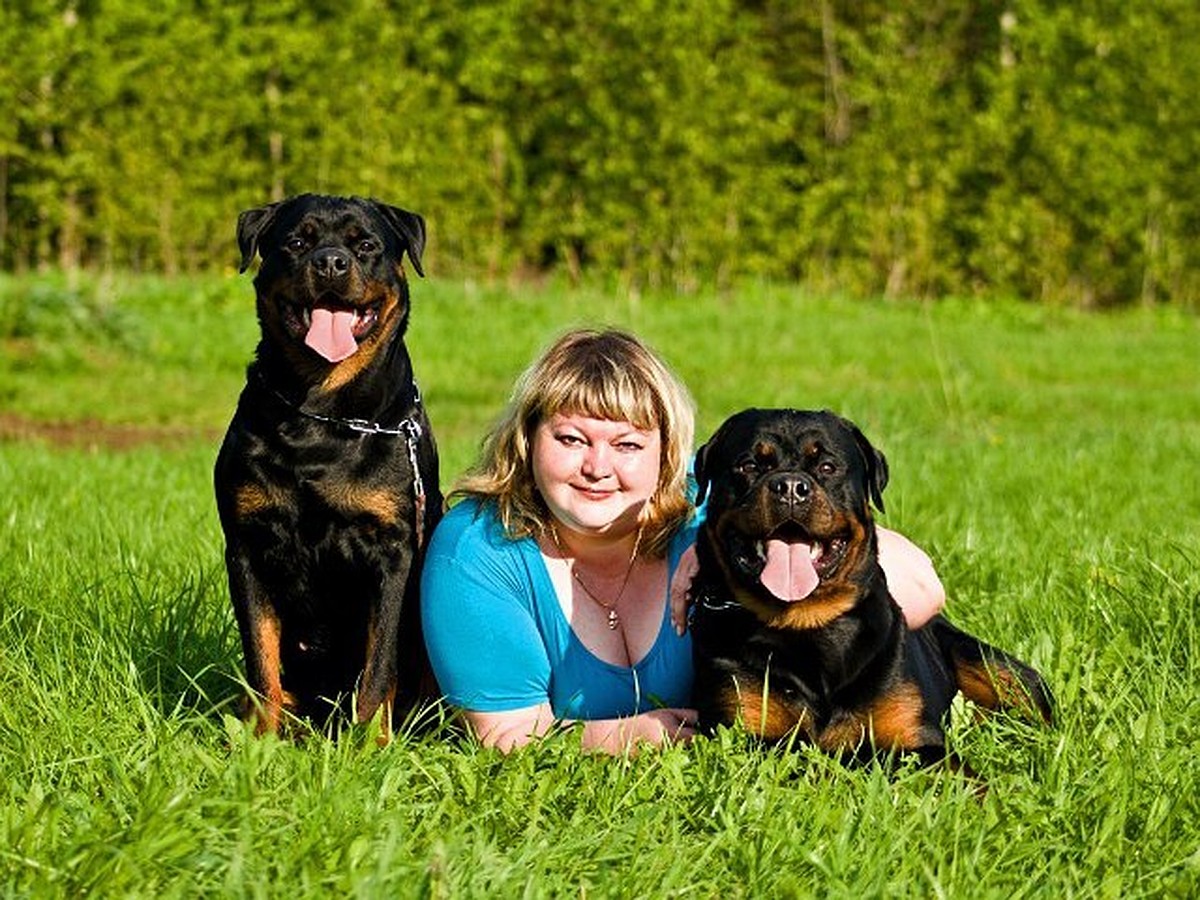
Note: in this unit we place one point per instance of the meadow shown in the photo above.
(1046, 459)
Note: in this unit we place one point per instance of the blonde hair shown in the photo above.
(604, 374)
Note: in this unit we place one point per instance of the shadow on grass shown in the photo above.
(183, 642)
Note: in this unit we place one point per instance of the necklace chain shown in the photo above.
(614, 620)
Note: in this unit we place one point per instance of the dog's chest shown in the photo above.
(294, 488)
(362, 482)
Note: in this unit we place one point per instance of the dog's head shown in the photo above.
(331, 279)
(789, 523)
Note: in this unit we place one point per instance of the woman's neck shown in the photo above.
(605, 553)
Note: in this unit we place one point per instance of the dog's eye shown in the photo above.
(827, 468)
(749, 467)
(365, 247)
(296, 244)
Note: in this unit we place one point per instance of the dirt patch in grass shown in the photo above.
(93, 434)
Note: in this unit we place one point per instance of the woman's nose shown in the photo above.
(596, 463)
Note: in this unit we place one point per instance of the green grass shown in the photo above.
(1047, 460)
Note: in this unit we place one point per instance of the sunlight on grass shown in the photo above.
(1046, 459)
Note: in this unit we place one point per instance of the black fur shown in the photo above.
(838, 668)
(327, 481)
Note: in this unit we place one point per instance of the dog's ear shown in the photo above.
(250, 227)
(704, 461)
(409, 228)
(701, 472)
(877, 467)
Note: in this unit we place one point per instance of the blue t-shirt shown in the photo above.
(498, 639)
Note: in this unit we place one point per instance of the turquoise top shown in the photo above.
(498, 639)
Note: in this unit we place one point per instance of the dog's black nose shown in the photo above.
(790, 487)
(330, 262)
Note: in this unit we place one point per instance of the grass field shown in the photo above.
(1047, 460)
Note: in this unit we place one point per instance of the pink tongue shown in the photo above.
(331, 334)
(789, 573)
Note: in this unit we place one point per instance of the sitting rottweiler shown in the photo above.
(794, 630)
(327, 481)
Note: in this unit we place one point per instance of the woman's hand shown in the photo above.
(515, 728)
(656, 728)
(681, 584)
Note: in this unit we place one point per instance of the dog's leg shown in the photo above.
(261, 632)
(990, 677)
(377, 687)
(761, 708)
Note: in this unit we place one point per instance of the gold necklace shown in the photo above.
(614, 621)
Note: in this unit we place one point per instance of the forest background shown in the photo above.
(1017, 148)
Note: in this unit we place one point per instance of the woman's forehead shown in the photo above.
(599, 425)
(616, 406)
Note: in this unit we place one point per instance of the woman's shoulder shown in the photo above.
(467, 518)
(472, 560)
(470, 524)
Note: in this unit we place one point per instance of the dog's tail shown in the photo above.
(990, 677)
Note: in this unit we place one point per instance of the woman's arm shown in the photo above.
(910, 577)
(515, 728)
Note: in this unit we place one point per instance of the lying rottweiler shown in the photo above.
(327, 482)
(794, 630)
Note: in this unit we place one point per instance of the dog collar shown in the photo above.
(713, 604)
(409, 428)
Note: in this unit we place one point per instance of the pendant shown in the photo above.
(613, 621)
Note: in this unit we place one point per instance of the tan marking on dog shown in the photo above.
(252, 499)
(266, 636)
(996, 687)
(891, 722)
(977, 684)
(761, 713)
(896, 718)
(817, 610)
(348, 498)
(351, 367)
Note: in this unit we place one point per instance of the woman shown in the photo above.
(546, 591)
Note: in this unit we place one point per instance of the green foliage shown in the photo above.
(1045, 458)
(997, 148)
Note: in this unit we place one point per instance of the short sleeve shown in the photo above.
(484, 645)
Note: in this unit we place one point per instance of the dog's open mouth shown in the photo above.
(794, 563)
(331, 329)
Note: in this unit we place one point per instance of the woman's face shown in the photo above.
(595, 474)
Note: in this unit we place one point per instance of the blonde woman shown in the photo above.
(547, 590)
